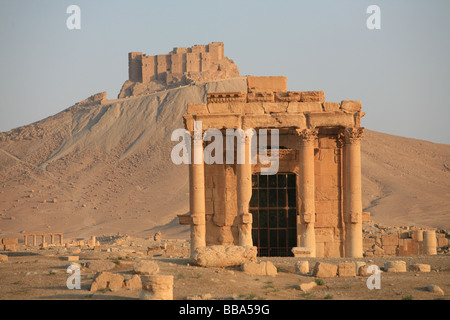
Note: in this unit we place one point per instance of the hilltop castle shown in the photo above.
(199, 58)
(180, 66)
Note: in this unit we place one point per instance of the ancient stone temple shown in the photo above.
(305, 201)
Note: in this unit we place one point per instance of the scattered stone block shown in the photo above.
(157, 287)
(223, 256)
(347, 269)
(361, 269)
(261, 269)
(101, 248)
(325, 270)
(9, 241)
(134, 283)
(100, 265)
(3, 258)
(420, 267)
(435, 289)
(305, 287)
(395, 266)
(70, 258)
(107, 280)
(302, 267)
(157, 236)
(146, 267)
(9, 247)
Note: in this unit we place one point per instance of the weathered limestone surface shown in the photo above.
(435, 289)
(3, 258)
(325, 270)
(157, 287)
(347, 269)
(395, 266)
(107, 280)
(134, 283)
(308, 286)
(261, 269)
(223, 256)
(302, 267)
(420, 267)
(100, 265)
(146, 267)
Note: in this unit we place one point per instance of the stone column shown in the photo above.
(61, 238)
(429, 242)
(244, 189)
(52, 238)
(157, 287)
(306, 190)
(352, 201)
(34, 240)
(197, 197)
(25, 239)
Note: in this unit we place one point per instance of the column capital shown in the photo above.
(307, 135)
(353, 135)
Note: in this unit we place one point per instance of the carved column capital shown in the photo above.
(353, 135)
(307, 135)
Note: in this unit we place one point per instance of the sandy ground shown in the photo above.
(34, 273)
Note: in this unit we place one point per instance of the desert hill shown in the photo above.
(105, 168)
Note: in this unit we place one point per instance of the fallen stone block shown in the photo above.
(302, 267)
(9, 247)
(3, 258)
(300, 252)
(347, 269)
(107, 280)
(420, 267)
(305, 287)
(70, 258)
(100, 266)
(157, 287)
(134, 283)
(325, 270)
(223, 256)
(435, 289)
(9, 241)
(261, 269)
(395, 266)
(146, 267)
(100, 248)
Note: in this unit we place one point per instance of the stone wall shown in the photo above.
(404, 241)
(199, 58)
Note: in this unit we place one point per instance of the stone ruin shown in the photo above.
(181, 66)
(403, 241)
(312, 206)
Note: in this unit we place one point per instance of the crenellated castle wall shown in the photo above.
(199, 58)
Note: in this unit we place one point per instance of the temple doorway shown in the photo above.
(274, 209)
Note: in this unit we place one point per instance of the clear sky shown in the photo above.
(401, 73)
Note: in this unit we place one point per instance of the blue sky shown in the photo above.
(401, 73)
